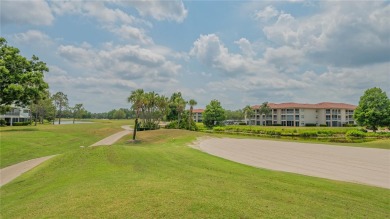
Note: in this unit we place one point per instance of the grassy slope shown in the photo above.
(162, 177)
(28, 142)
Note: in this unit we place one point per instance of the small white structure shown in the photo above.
(16, 114)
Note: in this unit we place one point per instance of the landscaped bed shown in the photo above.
(326, 134)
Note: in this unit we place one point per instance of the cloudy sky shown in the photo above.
(239, 52)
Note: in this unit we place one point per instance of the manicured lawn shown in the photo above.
(162, 177)
(20, 143)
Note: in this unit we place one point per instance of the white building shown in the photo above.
(197, 115)
(297, 114)
(16, 114)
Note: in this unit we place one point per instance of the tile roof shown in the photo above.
(198, 110)
(323, 105)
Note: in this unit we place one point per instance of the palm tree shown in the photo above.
(192, 103)
(137, 99)
(266, 110)
(248, 112)
(181, 105)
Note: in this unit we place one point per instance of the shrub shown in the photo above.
(310, 124)
(363, 129)
(355, 133)
(3, 122)
(307, 134)
(21, 123)
(242, 123)
(218, 129)
(172, 125)
(323, 125)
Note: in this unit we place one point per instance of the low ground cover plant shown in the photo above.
(336, 134)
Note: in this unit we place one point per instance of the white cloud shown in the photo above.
(267, 13)
(246, 47)
(131, 34)
(26, 12)
(211, 51)
(94, 9)
(161, 10)
(33, 37)
(284, 58)
(126, 62)
(343, 34)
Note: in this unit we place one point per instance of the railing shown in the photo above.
(12, 114)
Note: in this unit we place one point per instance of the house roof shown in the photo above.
(323, 105)
(198, 110)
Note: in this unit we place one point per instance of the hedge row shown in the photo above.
(300, 132)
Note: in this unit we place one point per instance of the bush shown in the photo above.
(276, 125)
(307, 134)
(3, 122)
(172, 125)
(355, 133)
(310, 124)
(323, 125)
(242, 123)
(218, 129)
(21, 123)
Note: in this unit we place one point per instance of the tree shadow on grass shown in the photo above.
(20, 130)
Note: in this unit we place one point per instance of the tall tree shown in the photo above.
(21, 80)
(61, 102)
(192, 103)
(265, 110)
(248, 112)
(180, 106)
(77, 111)
(176, 106)
(373, 109)
(214, 114)
(136, 98)
(43, 109)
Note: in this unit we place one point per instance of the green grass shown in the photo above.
(162, 177)
(27, 142)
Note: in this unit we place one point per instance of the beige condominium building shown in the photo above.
(298, 114)
(197, 115)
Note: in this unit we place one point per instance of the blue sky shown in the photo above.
(239, 52)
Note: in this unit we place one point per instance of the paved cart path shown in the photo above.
(115, 137)
(9, 173)
(352, 164)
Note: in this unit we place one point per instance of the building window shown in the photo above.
(283, 111)
(296, 117)
(327, 117)
(296, 110)
(290, 111)
(283, 117)
(290, 117)
(327, 111)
